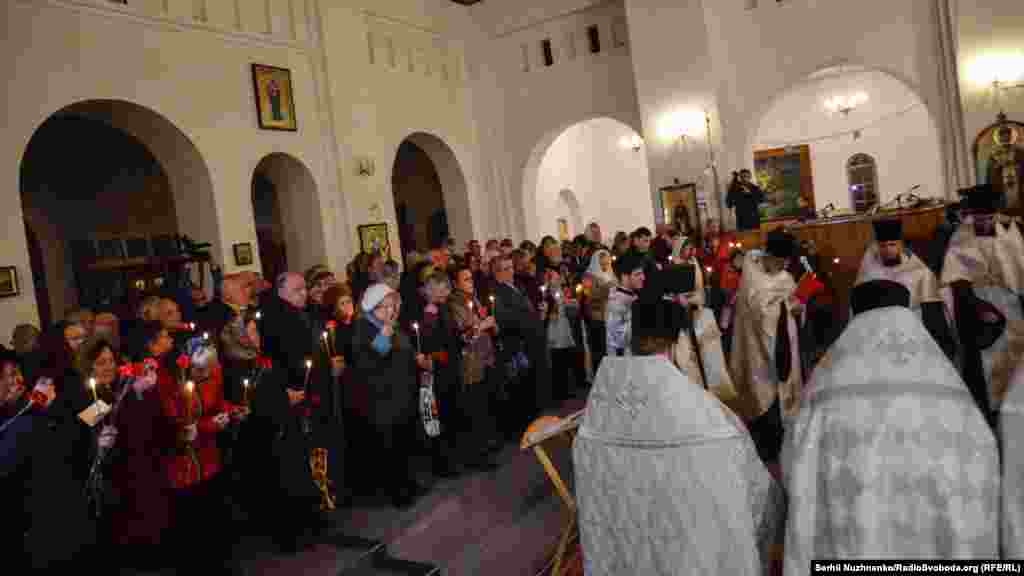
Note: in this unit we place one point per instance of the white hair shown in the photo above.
(204, 356)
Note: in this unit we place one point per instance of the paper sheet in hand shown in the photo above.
(95, 413)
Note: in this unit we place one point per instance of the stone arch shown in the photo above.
(283, 184)
(917, 110)
(532, 169)
(187, 176)
(454, 186)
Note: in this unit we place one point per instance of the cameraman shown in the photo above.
(744, 196)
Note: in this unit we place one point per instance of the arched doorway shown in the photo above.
(846, 112)
(590, 171)
(430, 193)
(106, 188)
(569, 211)
(286, 208)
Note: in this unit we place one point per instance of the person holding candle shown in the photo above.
(40, 454)
(598, 281)
(478, 402)
(561, 310)
(440, 339)
(385, 362)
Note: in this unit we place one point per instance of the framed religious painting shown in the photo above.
(275, 103)
(999, 159)
(784, 174)
(9, 281)
(374, 238)
(680, 208)
(243, 253)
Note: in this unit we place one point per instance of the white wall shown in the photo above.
(608, 180)
(675, 89)
(521, 106)
(991, 43)
(895, 129)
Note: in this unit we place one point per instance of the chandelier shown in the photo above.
(845, 103)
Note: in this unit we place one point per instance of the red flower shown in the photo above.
(331, 324)
(264, 362)
(126, 371)
(38, 398)
(183, 362)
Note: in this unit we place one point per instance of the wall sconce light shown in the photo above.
(367, 167)
(634, 142)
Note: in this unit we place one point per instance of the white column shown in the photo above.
(950, 115)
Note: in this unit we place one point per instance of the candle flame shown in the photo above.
(324, 335)
(92, 383)
(416, 326)
(708, 268)
(835, 260)
(739, 244)
(192, 326)
(492, 298)
(309, 363)
(188, 386)
(206, 335)
(245, 383)
(259, 314)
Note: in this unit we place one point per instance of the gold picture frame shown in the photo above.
(275, 101)
(9, 282)
(374, 238)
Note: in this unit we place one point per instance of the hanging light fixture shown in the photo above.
(845, 103)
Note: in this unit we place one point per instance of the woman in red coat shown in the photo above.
(198, 408)
(140, 517)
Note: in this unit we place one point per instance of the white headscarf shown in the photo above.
(595, 267)
(886, 411)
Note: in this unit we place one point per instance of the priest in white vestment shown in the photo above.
(765, 362)
(1011, 431)
(983, 276)
(668, 482)
(889, 457)
(888, 259)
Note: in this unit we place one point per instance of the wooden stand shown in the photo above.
(539, 434)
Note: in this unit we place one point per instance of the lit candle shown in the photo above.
(92, 385)
(327, 342)
(188, 401)
(708, 268)
(309, 366)
(206, 336)
(416, 329)
(259, 314)
(835, 260)
(492, 303)
(245, 391)
(191, 326)
(579, 288)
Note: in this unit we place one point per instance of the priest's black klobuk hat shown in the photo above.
(780, 244)
(878, 294)
(657, 318)
(888, 230)
(982, 199)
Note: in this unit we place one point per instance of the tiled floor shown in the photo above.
(500, 523)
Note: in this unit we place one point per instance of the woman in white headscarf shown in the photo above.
(598, 280)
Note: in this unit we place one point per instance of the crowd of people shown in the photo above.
(154, 441)
(194, 419)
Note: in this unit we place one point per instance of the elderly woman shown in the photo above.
(385, 362)
(200, 412)
(276, 488)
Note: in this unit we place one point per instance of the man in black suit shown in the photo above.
(522, 336)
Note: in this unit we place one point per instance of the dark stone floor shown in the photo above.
(500, 523)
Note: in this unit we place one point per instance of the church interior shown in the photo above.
(155, 146)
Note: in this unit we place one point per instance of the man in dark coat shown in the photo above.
(522, 334)
(745, 196)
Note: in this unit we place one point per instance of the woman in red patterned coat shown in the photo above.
(200, 412)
